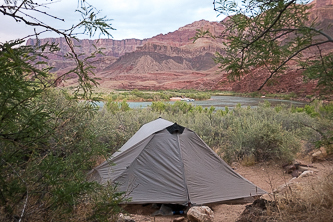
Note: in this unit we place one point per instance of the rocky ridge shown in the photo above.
(173, 61)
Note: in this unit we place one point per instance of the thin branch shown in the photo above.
(47, 14)
(271, 26)
(304, 28)
(18, 8)
(288, 59)
(283, 34)
(322, 60)
(32, 23)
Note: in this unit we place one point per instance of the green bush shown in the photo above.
(45, 176)
(265, 132)
(263, 139)
(158, 106)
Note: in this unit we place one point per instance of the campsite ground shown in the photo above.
(268, 176)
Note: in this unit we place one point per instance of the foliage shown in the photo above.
(115, 106)
(136, 95)
(321, 70)
(113, 129)
(26, 12)
(310, 201)
(261, 136)
(21, 118)
(47, 173)
(265, 132)
(271, 34)
(106, 207)
(46, 143)
(112, 106)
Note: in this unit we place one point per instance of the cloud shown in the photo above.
(131, 18)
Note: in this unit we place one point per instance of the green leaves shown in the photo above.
(20, 84)
(270, 34)
(321, 70)
(91, 23)
(46, 145)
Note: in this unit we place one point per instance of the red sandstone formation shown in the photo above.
(173, 61)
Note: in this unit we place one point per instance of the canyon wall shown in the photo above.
(174, 61)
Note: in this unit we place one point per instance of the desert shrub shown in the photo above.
(326, 111)
(114, 129)
(44, 178)
(137, 93)
(322, 113)
(265, 140)
(312, 201)
(112, 106)
(124, 106)
(158, 106)
(105, 204)
(179, 106)
(263, 133)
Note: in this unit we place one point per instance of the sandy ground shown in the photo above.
(267, 176)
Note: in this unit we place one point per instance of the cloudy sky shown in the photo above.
(131, 18)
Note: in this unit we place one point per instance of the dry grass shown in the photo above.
(248, 160)
(311, 201)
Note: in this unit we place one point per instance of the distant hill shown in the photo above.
(173, 61)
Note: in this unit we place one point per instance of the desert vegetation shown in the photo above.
(103, 94)
(139, 95)
(246, 135)
(43, 171)
(235, 134)
(50, 139)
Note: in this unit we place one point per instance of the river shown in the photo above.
(220, 102)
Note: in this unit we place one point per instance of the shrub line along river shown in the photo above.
(220, 102)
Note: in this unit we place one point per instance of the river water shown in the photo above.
(220, 102)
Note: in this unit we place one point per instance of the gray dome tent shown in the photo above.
(167, 163)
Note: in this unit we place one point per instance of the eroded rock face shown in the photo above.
(184, 35)
(115, 48)
(173, 61)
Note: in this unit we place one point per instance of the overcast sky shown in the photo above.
(131, 18)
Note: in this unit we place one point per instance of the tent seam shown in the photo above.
(153, 135)
(184, 177)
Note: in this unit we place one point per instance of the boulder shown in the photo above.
(200, 214)
(319, 155)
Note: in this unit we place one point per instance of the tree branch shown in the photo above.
(288, 59)
(304, 28)
(271, 26)
(18, 8)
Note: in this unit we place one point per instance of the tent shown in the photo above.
(166, 163)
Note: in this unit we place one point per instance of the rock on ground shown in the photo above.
(200, 214)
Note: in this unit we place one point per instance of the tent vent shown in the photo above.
(175, 128)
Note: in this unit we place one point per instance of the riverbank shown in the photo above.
(218, 102)
(103, 94)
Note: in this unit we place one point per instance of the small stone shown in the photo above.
(179, 219)
(123, 218)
